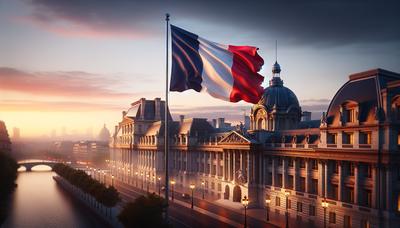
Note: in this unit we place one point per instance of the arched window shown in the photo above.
(260, 123)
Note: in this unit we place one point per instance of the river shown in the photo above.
(39, 202)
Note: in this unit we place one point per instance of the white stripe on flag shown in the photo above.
(217, 69)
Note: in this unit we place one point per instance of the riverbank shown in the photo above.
(109, 217)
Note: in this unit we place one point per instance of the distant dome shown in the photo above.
(104, 134)
(278, 95)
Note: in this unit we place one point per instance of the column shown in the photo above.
(326, 174)
(340, 181)
(321, 178)
(356, 184)
(284, 172)
(389, 190)
(308, 181)
(295, 174)
(229, 165)
(241, 160)
(374, 187)
(234, 165)
(217, 166)
(249, 178)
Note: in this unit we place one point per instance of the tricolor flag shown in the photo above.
(224, 71)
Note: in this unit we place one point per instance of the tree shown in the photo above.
(145, 211)
(8, 175)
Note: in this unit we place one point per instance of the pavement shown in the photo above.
(209, 212)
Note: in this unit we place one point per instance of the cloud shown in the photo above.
(64, 106)
(309, 22)
(60, 84)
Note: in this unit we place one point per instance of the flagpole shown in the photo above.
(166, 128)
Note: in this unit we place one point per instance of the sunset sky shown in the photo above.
(79, 64)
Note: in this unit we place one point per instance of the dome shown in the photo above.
(276, 68)
(278, 95)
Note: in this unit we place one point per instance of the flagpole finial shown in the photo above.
(167, 16)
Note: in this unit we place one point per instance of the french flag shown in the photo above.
(224, 71)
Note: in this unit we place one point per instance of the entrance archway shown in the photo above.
(237, 194)
(226, 193)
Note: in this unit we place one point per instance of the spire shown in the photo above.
(276, 68)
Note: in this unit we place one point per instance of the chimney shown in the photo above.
(181, 118)
(306, 116)
(157, 108)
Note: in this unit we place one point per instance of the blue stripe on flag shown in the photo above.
(187, 66)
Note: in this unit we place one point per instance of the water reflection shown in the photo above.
(39, 202)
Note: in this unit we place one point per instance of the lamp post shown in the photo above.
(287, 209)
(147, 181)
(172, 190)
(267, 202)
(112, 179)
(159, 186)
(202, 186)
(325, 205)
(245, 202)
(192, 188)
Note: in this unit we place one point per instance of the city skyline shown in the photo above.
(43, 77)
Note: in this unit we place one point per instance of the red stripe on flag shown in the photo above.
(247, 82)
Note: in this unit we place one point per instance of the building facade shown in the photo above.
(349, 159)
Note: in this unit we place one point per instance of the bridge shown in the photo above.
(29, 164)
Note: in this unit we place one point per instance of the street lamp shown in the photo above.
(136, 176)
(147, 181)
(287, 208)
(112, 178)
(325, 205)
(172, 192)
(141, 174)
(159, 186)
(245, 202)
(192, 187)
(202, 186)
(267, 202)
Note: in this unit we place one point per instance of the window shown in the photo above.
(302, 184)
(278, 201)
(368, 198)
(332, 138)
(350, 115)
(219, 187)
(348, 138)
(369, 171)
(350, 195)
(290, 162)
(289, 206)
(336, 170)
(302, 163)
(351, 168)
(279, 180)
(212, 185)
(314, 186)
(365, 138)
(299, 206)
(290, 182)
(335, 192)
(314, 164)
(311, 210)
(347, 221)
(332, 217)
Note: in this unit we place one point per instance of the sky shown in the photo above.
(78, 64)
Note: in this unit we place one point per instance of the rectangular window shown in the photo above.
(351, 168)
(302, 163)
(348, 138)
(290, 182)
(365, 223)
(278, 201)
(350, 115)
(302, 184)
(347, 221)
(290, 162)
(335, 192)
(269, 180)
(289, 206)
(311, 210)
(369, 171)
(314, 164)
(332, 138)
(368, 198)
(219, 187)
(314, 186)
(365, 138)
(299, 206)
(332, 217)
(278, 181)
(212, 185)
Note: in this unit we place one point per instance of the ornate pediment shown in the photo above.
(234, 138)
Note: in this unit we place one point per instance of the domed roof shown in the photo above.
(278, 95)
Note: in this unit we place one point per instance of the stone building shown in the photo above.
(348, 159)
